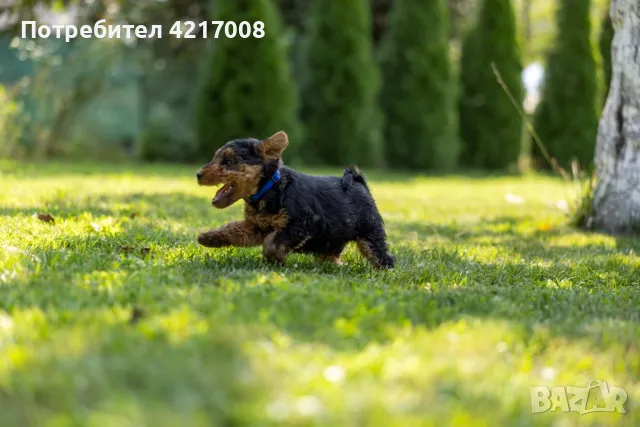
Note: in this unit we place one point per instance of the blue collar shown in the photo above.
(266, 187)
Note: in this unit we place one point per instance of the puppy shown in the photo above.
(287, 211)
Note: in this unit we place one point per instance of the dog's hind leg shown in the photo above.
(373, 246)
(235, 233)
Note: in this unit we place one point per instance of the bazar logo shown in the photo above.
(596, 397)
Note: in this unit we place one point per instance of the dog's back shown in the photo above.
(338, 201)
(334, 210)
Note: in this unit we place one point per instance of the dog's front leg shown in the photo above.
(278, 244)
(235, 233)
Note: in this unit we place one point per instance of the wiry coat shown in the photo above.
(299, 213)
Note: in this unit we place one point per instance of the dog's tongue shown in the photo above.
(222, 193)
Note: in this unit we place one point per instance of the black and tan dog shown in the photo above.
(287, 211)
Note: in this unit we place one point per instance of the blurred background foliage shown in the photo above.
(352, 81)
(568, 110)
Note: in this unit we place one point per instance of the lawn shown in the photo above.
(112, 315)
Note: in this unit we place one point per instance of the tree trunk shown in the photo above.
(616, 197)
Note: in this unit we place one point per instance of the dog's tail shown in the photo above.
(353, 174)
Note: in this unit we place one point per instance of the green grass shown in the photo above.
(489, 298)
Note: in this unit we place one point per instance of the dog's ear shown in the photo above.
(272, 147)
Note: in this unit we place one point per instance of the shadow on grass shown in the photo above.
(503, 233)
(309, 300)
(148, 263)
(201, 306)
(168, 361)
(114, 374)
(174, 206)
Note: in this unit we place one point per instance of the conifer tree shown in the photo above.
(566, 118)
(417, 96)
(247, 88)
(490, 125)
(341, 83)
(605, 40)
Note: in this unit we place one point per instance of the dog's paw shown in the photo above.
(388, 262)
(274, 255)
(210, 240)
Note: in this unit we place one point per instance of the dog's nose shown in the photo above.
(199, 175)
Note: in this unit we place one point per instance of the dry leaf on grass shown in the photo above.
(545, 227)
(136, 315)
(46, 218)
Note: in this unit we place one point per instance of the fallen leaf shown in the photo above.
(136, 315)
(545, 227)
(46, 218)
(133, 215)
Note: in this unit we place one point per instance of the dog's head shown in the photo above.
(240, 166)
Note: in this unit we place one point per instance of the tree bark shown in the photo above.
(616, 196)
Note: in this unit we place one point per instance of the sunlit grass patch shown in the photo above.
(112, 315)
